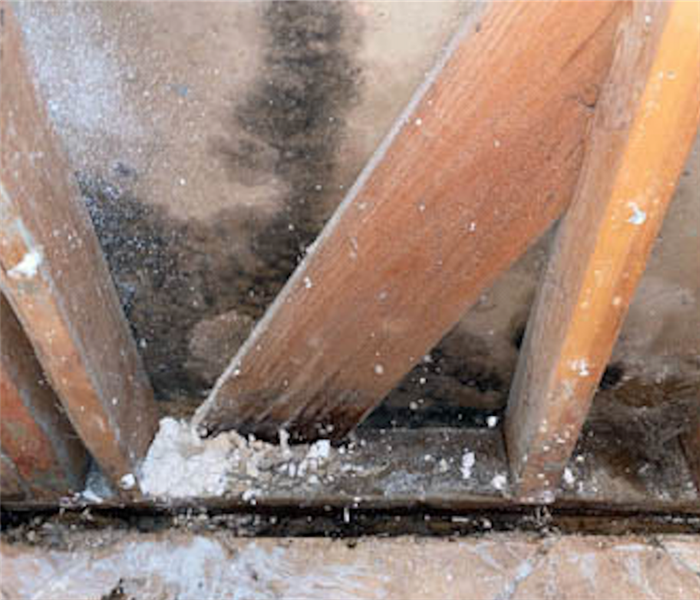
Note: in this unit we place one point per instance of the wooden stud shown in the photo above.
(481, 162)
(34, 434)
(644, 126)
(54, 275)
(12, 487)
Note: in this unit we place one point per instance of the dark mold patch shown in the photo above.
(519, 336)
(612, 376)
(169, 275)
(291, 127)
(455, 385)
(173, 275)
(644, 422)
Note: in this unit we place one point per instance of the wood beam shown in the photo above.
(54, 275)
(12, 487)
(483, 159)
(34, 434)
(643, 130)
(388, 469)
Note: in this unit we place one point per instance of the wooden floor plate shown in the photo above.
(426, 468)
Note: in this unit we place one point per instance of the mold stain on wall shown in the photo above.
(193, 288)
(190, 294)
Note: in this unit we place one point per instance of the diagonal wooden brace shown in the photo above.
(482, 161)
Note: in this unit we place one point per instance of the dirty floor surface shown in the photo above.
(184, 565)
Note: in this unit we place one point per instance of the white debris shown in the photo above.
(492, 421)
(284, 442)
(319, 451)
(638, 215)
(468, 460)
(80, 73)
(180, 464)
(499, 481)
(569, 477)
(90, 496)
(248, 496)
(443, 466)
(318, 454)
(308, 284)
(580, 365)
(379, 369)
(128, 481)
(27, 267)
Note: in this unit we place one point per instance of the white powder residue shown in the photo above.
(27, 267)
(638, 215)
(97, 488)
(128, 481)
(499, 481)
(180, 464)
(569, 477)
(80, 78)
(580, 365)
(319, 451)
(284, 442)
(468, 460)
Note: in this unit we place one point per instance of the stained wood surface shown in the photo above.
(12, 487)
(645, 123)
(691, 444)
(54, 275)
(482, 161)
(34, 434)
(423, 469)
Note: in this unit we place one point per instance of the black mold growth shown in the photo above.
(171, 274)
(295, 120)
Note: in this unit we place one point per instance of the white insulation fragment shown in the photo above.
(27, 267)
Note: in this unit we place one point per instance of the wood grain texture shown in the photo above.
(482, 161)
(34, 434)
(644, 126)
(54, 275)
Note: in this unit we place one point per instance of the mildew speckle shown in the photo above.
(173, 274)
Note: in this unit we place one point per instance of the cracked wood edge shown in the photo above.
(484, 158)
(34, 433)
(55, 277)
(644, 127)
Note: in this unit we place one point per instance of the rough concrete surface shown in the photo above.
(213, 140)
(499, 566)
